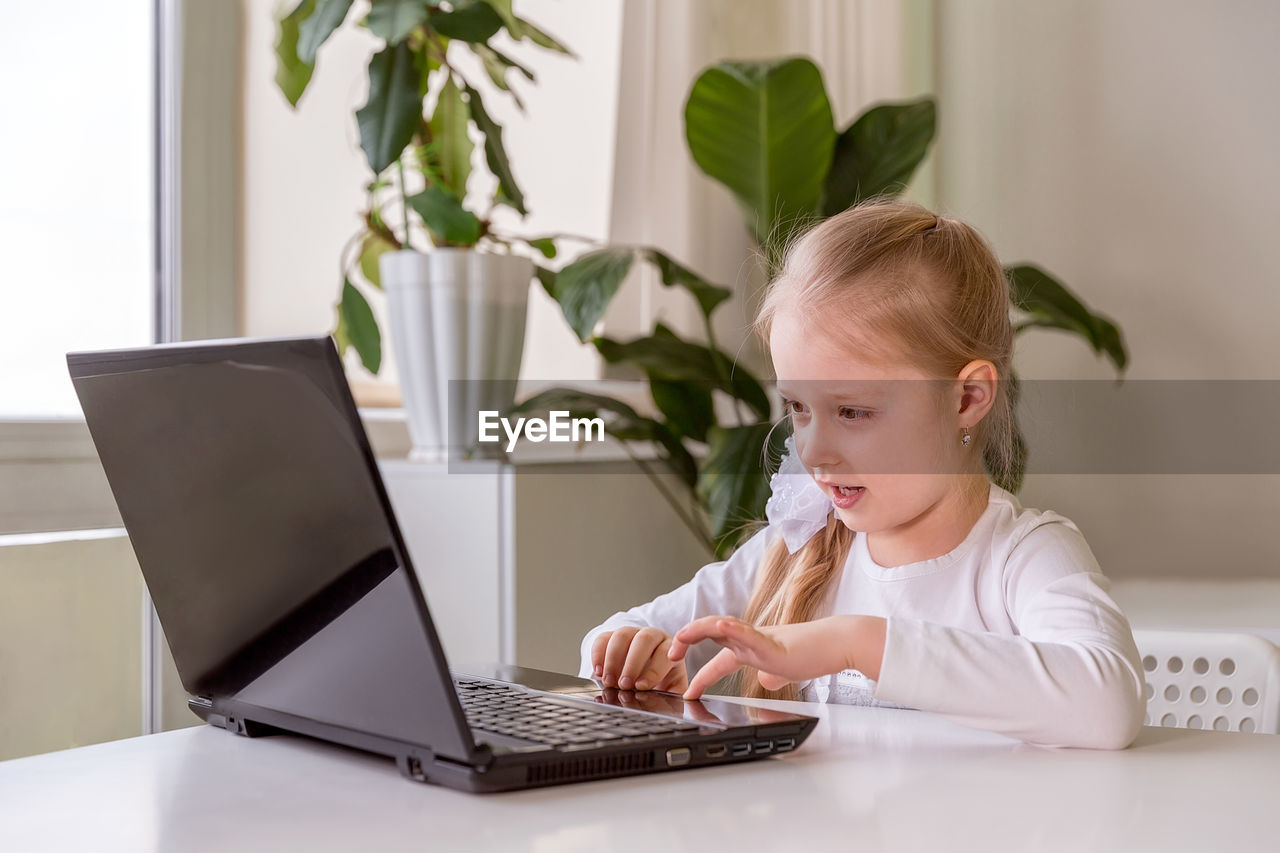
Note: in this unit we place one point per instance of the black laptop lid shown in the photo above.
(253, 503)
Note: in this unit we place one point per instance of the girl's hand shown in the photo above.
(784, 653)
(636, 658)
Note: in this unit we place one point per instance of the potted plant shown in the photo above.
(458, 310)
(765, 131)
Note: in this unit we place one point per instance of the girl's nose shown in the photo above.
(816, 448)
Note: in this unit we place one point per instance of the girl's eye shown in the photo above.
(851, 414)
(792, 407)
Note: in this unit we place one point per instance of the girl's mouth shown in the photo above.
(846, 496)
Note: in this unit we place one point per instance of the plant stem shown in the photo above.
(721, 368)
(404, 204)
(689, 522)
(382, 230)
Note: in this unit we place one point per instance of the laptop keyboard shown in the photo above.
(498, 708)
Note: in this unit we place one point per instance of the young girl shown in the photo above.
(892, 572)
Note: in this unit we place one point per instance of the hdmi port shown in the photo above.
(716, 750)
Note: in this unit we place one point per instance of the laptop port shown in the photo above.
(741, 749)
(678, 756)
(785, 744)
(763, 747)
(717, 750)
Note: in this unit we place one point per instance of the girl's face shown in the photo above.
(881, 439)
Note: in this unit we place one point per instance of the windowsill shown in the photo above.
(51, 479)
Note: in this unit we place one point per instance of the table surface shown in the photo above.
(867, 779)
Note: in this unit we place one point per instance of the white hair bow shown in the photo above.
(798, 508)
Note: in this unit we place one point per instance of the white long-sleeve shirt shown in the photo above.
(1012, 631)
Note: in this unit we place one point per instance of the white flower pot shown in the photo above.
(456, 314)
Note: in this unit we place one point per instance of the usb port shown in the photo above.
(764, 747)
(741, 749)
(785, 744)
(716, 750)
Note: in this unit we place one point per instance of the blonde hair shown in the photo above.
(922, 288)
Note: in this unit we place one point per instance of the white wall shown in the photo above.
(304, 173)
(70, 643)
(1130, 148)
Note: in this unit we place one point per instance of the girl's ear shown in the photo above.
(977, 386)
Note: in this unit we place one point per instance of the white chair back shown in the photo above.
(1210, 680)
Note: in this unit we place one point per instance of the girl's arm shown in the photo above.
(722, 587)
(1072, 676)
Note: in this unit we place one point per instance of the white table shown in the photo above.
(867, 779)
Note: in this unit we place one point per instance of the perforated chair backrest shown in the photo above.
(1210, 680)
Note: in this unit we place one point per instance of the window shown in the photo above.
(76, 211)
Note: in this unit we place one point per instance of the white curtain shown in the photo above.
(868, 50)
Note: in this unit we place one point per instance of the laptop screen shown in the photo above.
(252, 501)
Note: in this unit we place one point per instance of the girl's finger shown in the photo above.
(695, 632)
(659, 666)
(642, 646)
(676, 681)
(699, 629)
(750, 645)
(718, 667)
(688, 635)
(769, 681)
(597, 652)
(615, 654)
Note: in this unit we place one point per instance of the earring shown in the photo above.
(964, 439)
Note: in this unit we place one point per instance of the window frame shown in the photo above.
(50, 478)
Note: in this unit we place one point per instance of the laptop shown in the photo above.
(244, 477)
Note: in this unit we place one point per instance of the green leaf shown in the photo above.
(357, 327)
(879, 153)
(521, 29)
(328, 16)
(390, 116)
(1052, 305)
(545, 245)
(1109, 341)
(473, 23)
(621, 421)
(372, 248)
(585, 287)
(445, 217)
(393, 20)
(673, 273)
(509, 19)
(687, 405)
(588, 285)
(451, 145)
(494, 153)
(496, 65)
(292, 74)
(427, 64)
(548, 279)
(540, 38)
(665, 355)
(507, 62)
(765, 131)
(734, 481)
